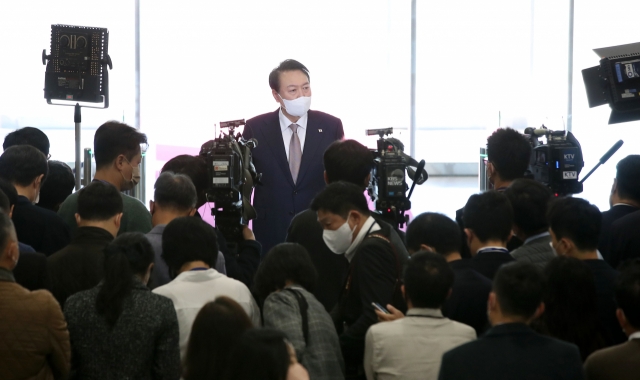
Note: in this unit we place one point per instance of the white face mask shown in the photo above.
(297, 107)
(338, 241)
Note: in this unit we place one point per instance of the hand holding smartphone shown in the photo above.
(379, 307)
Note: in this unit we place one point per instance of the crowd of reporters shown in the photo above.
(523, 285)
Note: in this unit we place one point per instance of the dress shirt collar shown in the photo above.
(369, 225)
(158, 230)
(424, 312)
(6, 275)
(622, 204)
(538, 236)
(285, 122)
(492, 249)
(635, 335)
(197, 275)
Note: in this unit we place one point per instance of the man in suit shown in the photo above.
(289, 155)
(468, 300)
(349, 161)
(80, 265)
(511, 349)
(374, 267)
(624, 199)
(412, 347)
(529, 200)
(488, 219)
(25, 167)
(621, 362)
(574, 225)
(624, 241)
(508, 155)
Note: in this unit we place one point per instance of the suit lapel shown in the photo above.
(272, 136)
(311, 143)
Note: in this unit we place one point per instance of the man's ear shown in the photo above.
(78, 218)
(404, 294)
(614, 187)
(367, 180)
(119, 162)
(539, 311)
(118, 220)
(326, 178)
(151, 206)
(469, 235)
(276, 96)
(192, 212)
(622, 319)
(492, 302)
(424, 247)
(38, 181)
(11, 211)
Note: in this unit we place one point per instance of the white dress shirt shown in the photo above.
(369, 226)
(193, 289)
(412, 347)
(287, 132)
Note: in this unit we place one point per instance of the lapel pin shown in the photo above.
(319, 130)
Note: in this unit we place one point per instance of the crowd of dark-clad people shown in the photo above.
(523, 285)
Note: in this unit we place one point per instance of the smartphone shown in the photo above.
(379, 307)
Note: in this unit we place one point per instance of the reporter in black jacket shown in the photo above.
(374, 266)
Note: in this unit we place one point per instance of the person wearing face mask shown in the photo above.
(25, 167)
(118, 153)
(289, 155)
(374, 266)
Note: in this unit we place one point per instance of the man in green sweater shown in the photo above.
(117, 151)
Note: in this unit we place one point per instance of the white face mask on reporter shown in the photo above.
(339, 241)
(297, 107)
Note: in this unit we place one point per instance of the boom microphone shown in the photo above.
(604, 158)
(418, 174)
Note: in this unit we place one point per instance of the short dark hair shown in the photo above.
(6, 225)
(529, 200)
(435, 230)
(58, 186)
(113, 139)
(489, 215)
(216, 330)
(22, 164)
(175, 191)
(28, 136)
(286, 65)
(195, 167)
(575, 219)
(259, 354)
(5, 205)
(99, 201)
(348, 160)
(628, 177)
(509, 152)
(628, 291)
(188, 239)
(427, 280)
(341, 197)
(519, 287)
(285, 262)
(10, 191)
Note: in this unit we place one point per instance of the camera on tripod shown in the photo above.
(232, 177)
(557, 163)
(388, 185)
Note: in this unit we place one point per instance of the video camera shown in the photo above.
(232, 178)
(388, 185)
(556, 163)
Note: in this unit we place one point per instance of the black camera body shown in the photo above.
(557, 163)
(388, 185)
(231, 178)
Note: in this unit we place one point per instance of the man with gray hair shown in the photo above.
(174, 196)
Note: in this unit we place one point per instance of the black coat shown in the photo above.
(40, 228)
(31, 271)
(488, 262)
(512, 351)
(608, 217)
(469, 294)
(605, 279)
(278, 199)
(80, 265)
(624, 241)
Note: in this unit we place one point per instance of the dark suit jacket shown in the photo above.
(512, 351)
(605, 278)
(80, 265)
(332, 268)
(488, 262)
(537, 251)
(620, 362)
(608, 217)
(40, 228)
(278, 199)
(469, 294)
(31, 271)
(624, 240)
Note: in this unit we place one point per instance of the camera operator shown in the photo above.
(348, 161)
(241, 266)
(508, 154)
(292, 140)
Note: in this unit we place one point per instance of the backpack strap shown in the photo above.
(304, 312)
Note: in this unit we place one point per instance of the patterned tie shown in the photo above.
(295, 152)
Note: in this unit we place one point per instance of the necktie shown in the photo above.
(295, 152)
